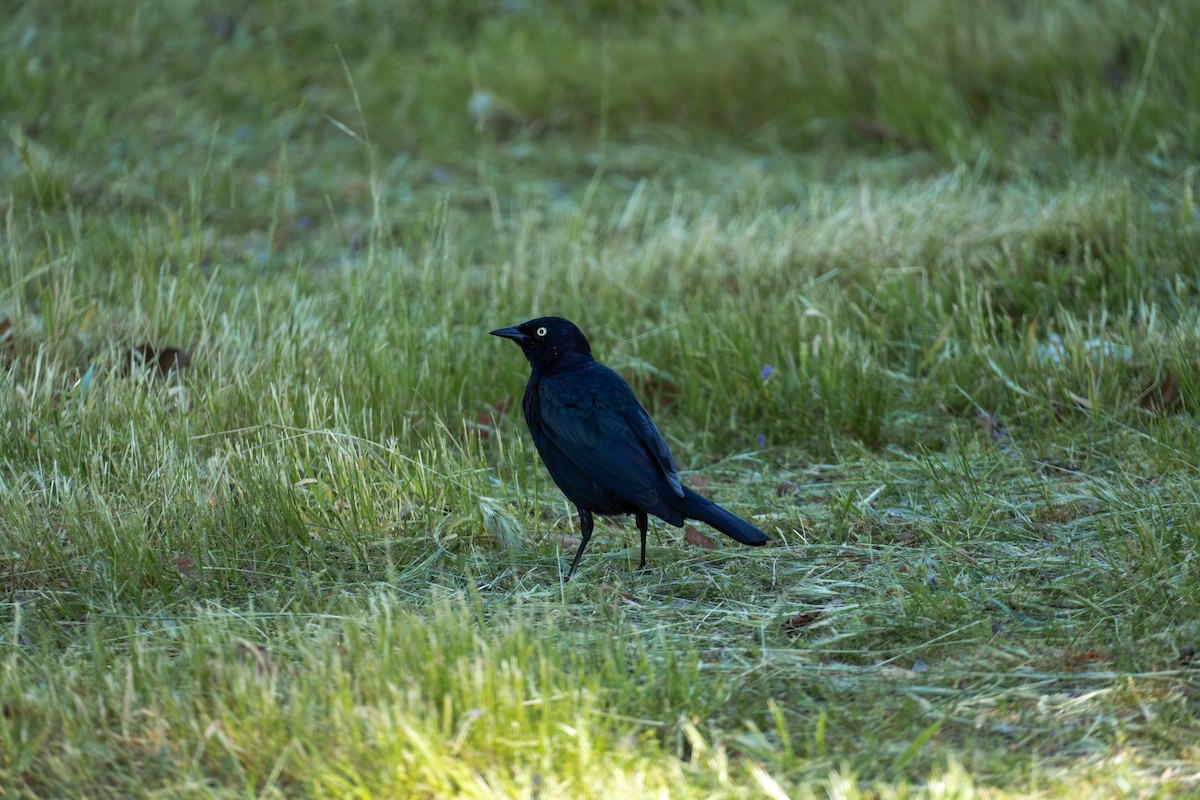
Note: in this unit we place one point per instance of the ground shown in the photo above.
(913, 286)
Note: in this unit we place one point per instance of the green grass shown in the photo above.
(324, 561)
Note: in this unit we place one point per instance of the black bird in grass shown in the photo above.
(599, 444)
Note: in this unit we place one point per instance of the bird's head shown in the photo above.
(547, 340)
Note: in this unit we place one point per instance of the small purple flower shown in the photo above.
(766, 371)
(762, 440)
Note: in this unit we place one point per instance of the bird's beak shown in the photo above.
(511, 333)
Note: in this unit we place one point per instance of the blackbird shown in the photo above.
(599, 444)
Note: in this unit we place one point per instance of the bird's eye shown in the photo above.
(541, 332)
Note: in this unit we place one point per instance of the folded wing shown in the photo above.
(610, 438)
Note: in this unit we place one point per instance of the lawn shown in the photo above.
(914, 286)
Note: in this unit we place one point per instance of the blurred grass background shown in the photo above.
(134, 102)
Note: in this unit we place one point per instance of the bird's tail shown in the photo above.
(697, 506)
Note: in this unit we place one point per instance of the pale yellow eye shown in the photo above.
(541, 332)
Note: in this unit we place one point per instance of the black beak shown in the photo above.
(511, 333)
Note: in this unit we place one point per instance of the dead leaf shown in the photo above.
(1162, 395)
(187, 566)
(801, 620)
(698, 482)
(1092, 656)
(6, 342)
(697, 539)
(485, 421)
(784, 489)
(162, 359)
(655, 391)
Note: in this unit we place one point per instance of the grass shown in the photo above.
(322, 559)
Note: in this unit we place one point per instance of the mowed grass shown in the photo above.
(322, 559)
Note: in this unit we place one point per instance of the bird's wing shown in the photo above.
(600, 425)
(647, 431)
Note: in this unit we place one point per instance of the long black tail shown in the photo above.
(697, 506)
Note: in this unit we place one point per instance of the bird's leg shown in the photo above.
(585, 529)
(643, 521)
